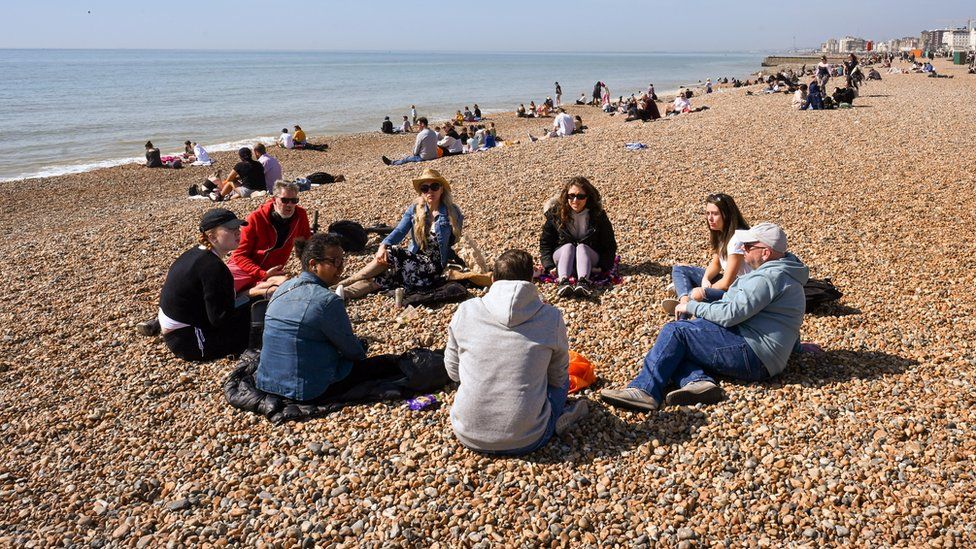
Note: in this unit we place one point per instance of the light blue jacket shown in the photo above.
(445, 237)
(308, 340)
(767, 306)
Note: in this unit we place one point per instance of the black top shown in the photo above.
(453, 133)
(251, 173)
(599, 237)
(387, 127)
(477, 112)
(199, 290)
(152, 158)
(282, 228)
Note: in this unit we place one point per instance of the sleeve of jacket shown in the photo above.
(338, 329)
(548, 242)
(218, 293)
(753, 294)
(608, 243)
(558, 372)
(451, 359)
(245, 252)
(402, 229)
(418, 143)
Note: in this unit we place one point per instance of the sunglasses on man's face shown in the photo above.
(572, 196)
(432, 188)
(288, 200)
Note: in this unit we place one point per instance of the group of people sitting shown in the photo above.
(508, 349)
(562, 126)
(445, 140)
(468, 116)
(544, 110)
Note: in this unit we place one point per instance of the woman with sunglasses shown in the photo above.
(434, 224)
(309, 348)
(577, 238)
(705, 285)
(269, 237)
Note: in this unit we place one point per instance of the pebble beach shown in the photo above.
(109, 440)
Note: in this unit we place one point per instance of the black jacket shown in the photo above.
(599, 237)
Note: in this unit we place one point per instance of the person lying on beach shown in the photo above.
(434, 224)
(153, 158)
(387, 126)
(246, 178)
(510, 353)
(747, 335)
(272, 168)
(309, 348)
(723, 219)
(285, 140)
(800, 100)
(268, 238)
(424, 147)
(199, 315)
(577, 238)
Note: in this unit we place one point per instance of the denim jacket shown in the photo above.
(308, 340)
(445, 237)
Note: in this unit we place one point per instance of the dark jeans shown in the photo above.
(686, 278)
(693, 350)
(379, 367)
(198, 345)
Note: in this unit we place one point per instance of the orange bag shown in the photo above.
(581, 372)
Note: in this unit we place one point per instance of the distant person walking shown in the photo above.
(559, 95)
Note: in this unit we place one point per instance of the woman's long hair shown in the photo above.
(421, 225)
(593, 201)
(732, 220)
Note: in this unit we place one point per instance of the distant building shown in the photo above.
(830, 46)
(956, 39)
(850, 44)
(931, 40)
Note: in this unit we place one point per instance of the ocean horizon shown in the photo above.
(69, 110)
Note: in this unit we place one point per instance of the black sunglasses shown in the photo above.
(433, 187)
(288, 200)
(579, 196)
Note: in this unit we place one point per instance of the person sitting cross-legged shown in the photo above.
(747, 335)
(510, 353)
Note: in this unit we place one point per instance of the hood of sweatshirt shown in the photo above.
(790, 266)
(512, 302)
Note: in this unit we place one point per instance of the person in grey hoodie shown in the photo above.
(424, 147)
(510, 353)
(747, 335)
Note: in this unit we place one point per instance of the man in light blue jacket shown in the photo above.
(747, 335)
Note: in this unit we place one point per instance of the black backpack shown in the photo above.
(320, 178)
(352, 235)
(819, 292)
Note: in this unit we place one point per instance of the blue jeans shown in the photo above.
(557, 402)
(407, 160)
(692, 350)
(686, 278)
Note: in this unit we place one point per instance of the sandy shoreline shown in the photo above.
(109, 439)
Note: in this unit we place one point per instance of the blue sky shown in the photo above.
(491, 25)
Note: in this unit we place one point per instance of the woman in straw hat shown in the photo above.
(434, 225)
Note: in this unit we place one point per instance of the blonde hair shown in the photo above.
(204, 238)
(421, 224)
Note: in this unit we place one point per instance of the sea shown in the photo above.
(69, 111)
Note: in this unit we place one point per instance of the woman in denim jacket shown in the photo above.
(309, 348)
(434, 224)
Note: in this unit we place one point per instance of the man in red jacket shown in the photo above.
(268, 238)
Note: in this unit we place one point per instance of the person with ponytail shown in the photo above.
(309, 349)
(434, 225)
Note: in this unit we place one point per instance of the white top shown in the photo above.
(681, 103)
(201, 154)
(564, 124)
(734, 247)
(287, 141)
(405, 127)
(578, 223)
(451, 144)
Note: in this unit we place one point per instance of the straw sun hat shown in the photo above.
(430, 175)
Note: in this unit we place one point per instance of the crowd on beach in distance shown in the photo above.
(736, 317)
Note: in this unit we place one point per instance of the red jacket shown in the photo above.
(255, 254)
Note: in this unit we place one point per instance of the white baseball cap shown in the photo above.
(769, 234)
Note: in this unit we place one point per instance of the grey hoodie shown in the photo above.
(504, 349)
(767, 306)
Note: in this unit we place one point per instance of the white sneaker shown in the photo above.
(571, 414)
